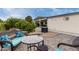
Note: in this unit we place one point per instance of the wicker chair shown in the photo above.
(11, 36)
(74, 44)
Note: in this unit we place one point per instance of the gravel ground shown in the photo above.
(51, 40)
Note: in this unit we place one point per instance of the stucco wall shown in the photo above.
(59, 24)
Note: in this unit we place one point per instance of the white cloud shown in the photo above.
(12, 12)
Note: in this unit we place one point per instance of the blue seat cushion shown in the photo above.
(6, 45)
(15, 42)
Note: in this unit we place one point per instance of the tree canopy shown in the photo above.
(10, 22)
(24, 24)
(28, 18)
(1, 20)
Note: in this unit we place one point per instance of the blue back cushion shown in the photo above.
(19, 34)
(0, 37)
(4, 37)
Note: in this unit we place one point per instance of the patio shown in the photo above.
(51, 40)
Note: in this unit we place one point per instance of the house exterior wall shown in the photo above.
(61, 25)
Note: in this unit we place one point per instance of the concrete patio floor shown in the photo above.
(51, 39)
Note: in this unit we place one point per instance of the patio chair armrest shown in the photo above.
(67, 45)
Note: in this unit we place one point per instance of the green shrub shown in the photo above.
(25, 26)
(10, 22)
(30, 27)
(2, 27)
(21, 24)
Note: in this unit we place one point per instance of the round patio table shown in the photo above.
(32, 41)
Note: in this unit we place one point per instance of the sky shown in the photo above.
(34, 12)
